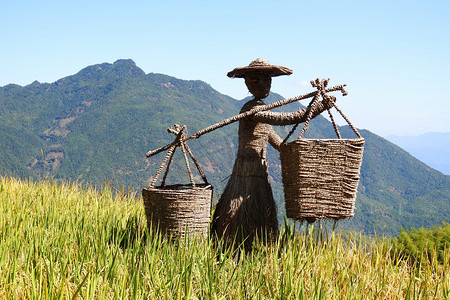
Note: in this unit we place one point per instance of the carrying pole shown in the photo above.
(248, 113)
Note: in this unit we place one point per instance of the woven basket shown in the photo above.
(320, 176)
(178, 210)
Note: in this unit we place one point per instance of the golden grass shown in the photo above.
(64, 241)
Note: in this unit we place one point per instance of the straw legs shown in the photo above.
(246, 211)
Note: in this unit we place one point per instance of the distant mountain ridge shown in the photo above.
(433, 148)
(98, 124)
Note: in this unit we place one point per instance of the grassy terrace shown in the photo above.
(64, 241)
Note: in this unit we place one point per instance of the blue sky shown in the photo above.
(393, 55)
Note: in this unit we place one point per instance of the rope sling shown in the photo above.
(321, 176)
(178, 209)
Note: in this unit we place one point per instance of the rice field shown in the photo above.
(66, 241)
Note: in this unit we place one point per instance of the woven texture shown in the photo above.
(177, 210)
(320, 177)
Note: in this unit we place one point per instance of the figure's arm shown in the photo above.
(274, 139)
(277, 118)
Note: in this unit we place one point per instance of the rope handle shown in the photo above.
(321, 88)
(179, 142)
(308, 118)
(348, 122)
(161, 167)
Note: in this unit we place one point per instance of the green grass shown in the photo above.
(64, 241)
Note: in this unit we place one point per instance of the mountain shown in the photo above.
(96, 126)
(433, 148)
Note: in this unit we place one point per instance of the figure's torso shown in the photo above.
(253, 135)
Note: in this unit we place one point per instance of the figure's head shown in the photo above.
(258, 84)
(258, 76)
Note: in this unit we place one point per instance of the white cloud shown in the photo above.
(305, 83)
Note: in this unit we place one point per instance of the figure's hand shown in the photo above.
(329, 101)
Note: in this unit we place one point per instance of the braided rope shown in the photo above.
(348, 122)
(308, 118)
(163, 182)
(195, 162)
(170, 154)
(290, 133)
(336, 129)
(321, 91)
(179, 142)
(310, 106)
(320, 85)
(185, 145)
(191, 177)
(161, 167)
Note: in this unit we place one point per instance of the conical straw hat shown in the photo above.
(260, 65)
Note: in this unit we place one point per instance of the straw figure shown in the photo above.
(246, 209)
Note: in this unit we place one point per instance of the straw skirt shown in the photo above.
(246, 209)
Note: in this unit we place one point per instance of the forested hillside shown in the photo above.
(96, 126)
